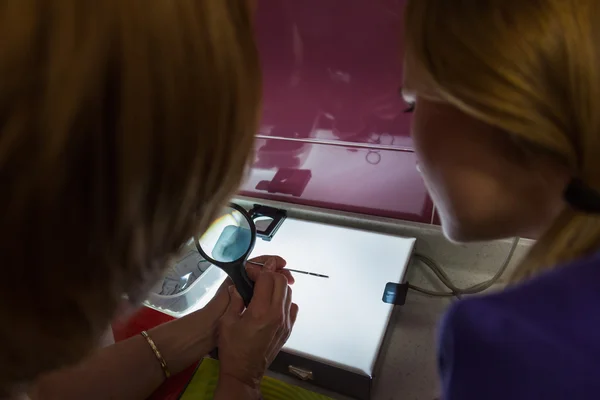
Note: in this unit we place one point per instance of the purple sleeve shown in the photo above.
(536, 340)
(467, 364)
(487, 352)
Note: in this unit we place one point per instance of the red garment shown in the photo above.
(144, 320)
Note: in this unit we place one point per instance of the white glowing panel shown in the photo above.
(342, 320)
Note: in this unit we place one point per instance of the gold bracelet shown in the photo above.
(159, 357)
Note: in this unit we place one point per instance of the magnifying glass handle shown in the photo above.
(243, 284)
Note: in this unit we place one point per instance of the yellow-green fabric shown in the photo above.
(203, 385)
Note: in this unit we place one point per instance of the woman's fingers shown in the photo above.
(293, 314)
(285, 330)
(246, 341)
(263, 294)
(222, 298)
(273, 298)
(254, 270)
(288, 302)
(272, 263)
(280, 291)
(290, 320)
(288, 275)
(280, 263)
(236, 305)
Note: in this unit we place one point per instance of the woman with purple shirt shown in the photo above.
(506, 97)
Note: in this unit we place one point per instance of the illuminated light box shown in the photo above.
(342, 322)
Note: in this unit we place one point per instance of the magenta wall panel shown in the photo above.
(376, 182)
(333, 132)
(333, 69)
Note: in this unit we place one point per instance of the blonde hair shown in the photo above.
(531, 69)
(124, 127)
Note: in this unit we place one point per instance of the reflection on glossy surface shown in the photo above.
(333, 68)
(280, 154)
(287, 181)
(382, 182)
(333, 132)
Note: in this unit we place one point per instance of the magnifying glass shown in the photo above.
(227, 244)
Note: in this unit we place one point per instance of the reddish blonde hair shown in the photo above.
(124, 126)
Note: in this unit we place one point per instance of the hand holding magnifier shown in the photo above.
(227, 244)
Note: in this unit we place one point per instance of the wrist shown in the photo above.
(187, 340)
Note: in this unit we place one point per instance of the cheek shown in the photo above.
(427, 144)
(463, 168)
(437, 154)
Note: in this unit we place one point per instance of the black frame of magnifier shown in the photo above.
(236, 269)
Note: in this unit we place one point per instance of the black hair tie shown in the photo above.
(582, 197)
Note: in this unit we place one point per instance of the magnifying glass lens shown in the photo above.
(229, 237)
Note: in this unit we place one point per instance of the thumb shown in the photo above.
(236, 303)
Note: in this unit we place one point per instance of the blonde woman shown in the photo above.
(124, 127)
(506, 97)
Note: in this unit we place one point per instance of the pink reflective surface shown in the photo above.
(333, 69)
(332, 73)
(383, 183)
